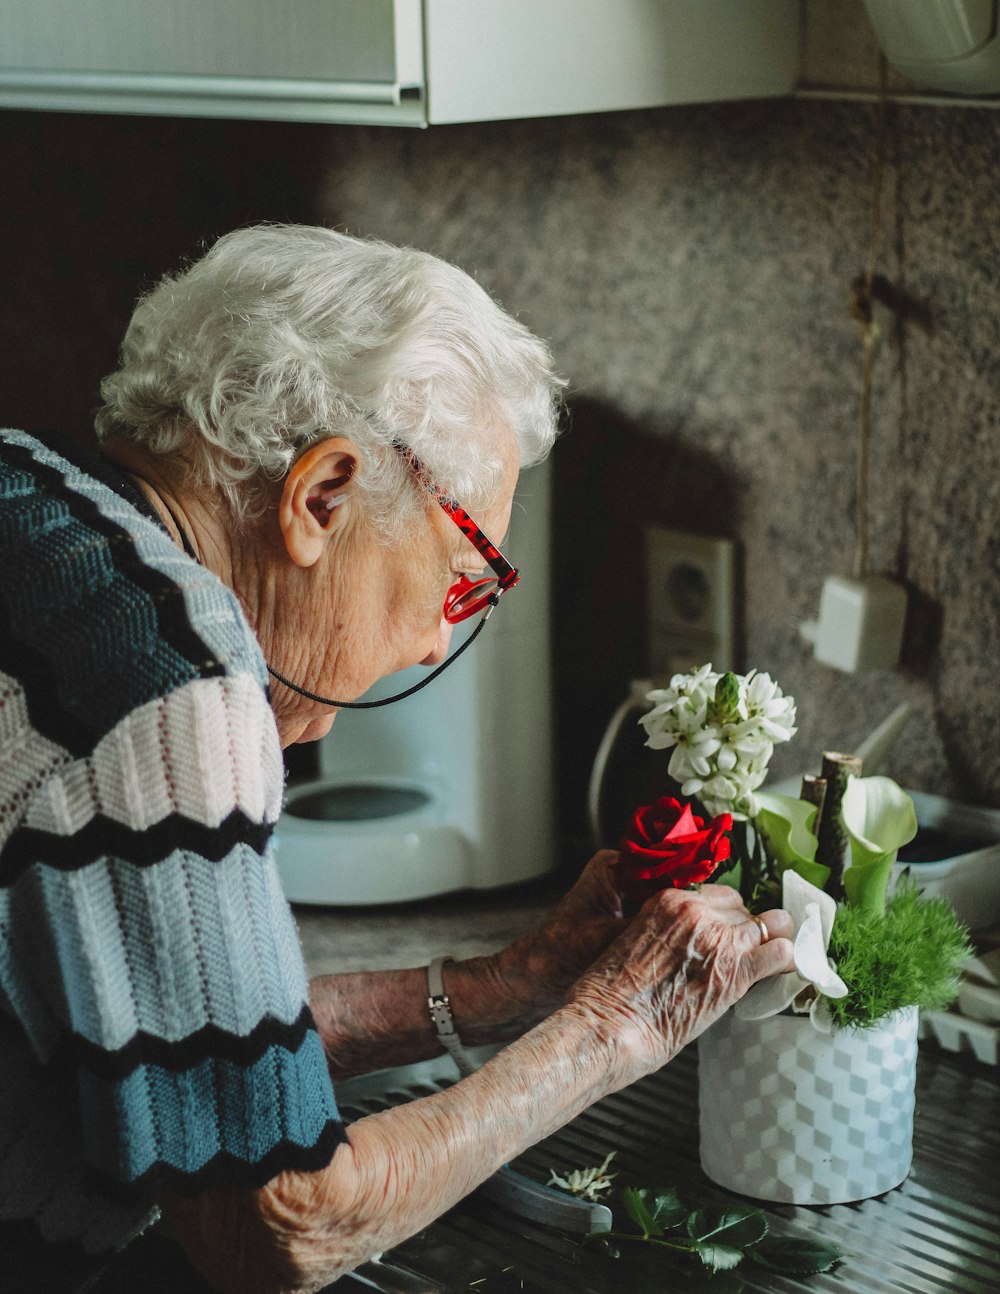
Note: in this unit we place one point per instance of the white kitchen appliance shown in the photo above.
(451, 788)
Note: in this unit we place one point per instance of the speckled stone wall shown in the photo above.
(690, 268)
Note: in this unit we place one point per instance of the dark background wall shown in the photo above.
(690, 268)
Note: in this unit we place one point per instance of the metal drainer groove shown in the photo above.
(938, 1233)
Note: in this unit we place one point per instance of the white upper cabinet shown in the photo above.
(492, 59)
(393, 62)
(293, 60)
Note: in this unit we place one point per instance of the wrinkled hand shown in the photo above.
(540, 967)
(677, 966)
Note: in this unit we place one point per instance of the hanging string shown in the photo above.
(863, 310)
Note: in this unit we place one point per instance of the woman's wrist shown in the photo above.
(377, 1019)
(490, 1001)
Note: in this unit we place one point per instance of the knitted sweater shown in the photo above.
(154, 1026)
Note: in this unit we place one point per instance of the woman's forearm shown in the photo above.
(687, 958)
(404, 1167)
(410, 1164)
(374, 1019)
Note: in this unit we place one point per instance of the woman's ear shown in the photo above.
(317, 484)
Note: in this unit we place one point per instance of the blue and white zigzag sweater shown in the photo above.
(154, 1026)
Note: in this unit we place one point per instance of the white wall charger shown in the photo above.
(860, 624)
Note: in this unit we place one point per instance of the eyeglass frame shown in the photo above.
(506, 574)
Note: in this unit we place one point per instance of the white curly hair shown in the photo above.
(281, 335)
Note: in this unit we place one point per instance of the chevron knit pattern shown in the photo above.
(154, 1022)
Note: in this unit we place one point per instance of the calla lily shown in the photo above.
(879, 817)
(813, 978)
(785, 824)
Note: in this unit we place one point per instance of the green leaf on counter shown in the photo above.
(717, 1258)
(794, 1257)
(721, 1241)
(654, 1211)
(737, 1228)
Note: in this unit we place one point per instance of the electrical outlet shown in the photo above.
(691, 599)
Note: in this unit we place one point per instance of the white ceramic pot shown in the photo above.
(789, 1114)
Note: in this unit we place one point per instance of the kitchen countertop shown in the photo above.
(395, 936)
(935, 1234)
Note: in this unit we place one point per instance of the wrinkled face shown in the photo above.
(390, 615)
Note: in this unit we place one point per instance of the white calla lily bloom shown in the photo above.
(812, 911)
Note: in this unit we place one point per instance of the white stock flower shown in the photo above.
(766, 702)
(722, 740)
(695, 746)
(681, 706)
(585, 1183)
(815, 978)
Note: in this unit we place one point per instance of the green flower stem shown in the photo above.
(740, 837)
(756, 884)
(648, 1240)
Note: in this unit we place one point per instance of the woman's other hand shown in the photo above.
(539, 968)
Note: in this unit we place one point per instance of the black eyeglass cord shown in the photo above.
(355, 705)
(400, 696)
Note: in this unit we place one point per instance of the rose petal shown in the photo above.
(668, 844)
(685, 825)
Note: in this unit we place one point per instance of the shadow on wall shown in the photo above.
(612, 478)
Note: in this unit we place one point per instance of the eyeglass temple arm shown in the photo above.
(507, 575)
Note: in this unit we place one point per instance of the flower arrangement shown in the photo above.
(860, 954)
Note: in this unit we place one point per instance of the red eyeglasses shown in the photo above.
(467, 596)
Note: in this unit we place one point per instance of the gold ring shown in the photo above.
(764, 933)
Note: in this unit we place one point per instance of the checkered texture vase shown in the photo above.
(797, 1116)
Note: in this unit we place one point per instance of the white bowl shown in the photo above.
(969, 878)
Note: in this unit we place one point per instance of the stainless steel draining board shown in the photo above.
(938, 1233)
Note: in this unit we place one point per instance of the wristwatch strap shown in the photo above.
(442, 1019)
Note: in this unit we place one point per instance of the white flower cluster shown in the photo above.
(723, 729)
(585, 1183)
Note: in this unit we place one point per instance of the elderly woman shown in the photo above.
(283, 446)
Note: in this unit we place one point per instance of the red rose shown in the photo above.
(667, 845)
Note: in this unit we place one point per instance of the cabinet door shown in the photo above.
(370, 60)
(320, 60)
(489, 59)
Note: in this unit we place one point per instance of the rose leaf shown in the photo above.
(736, 1228)
(794, 1257)
(654, 1210)
(716, 1257)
